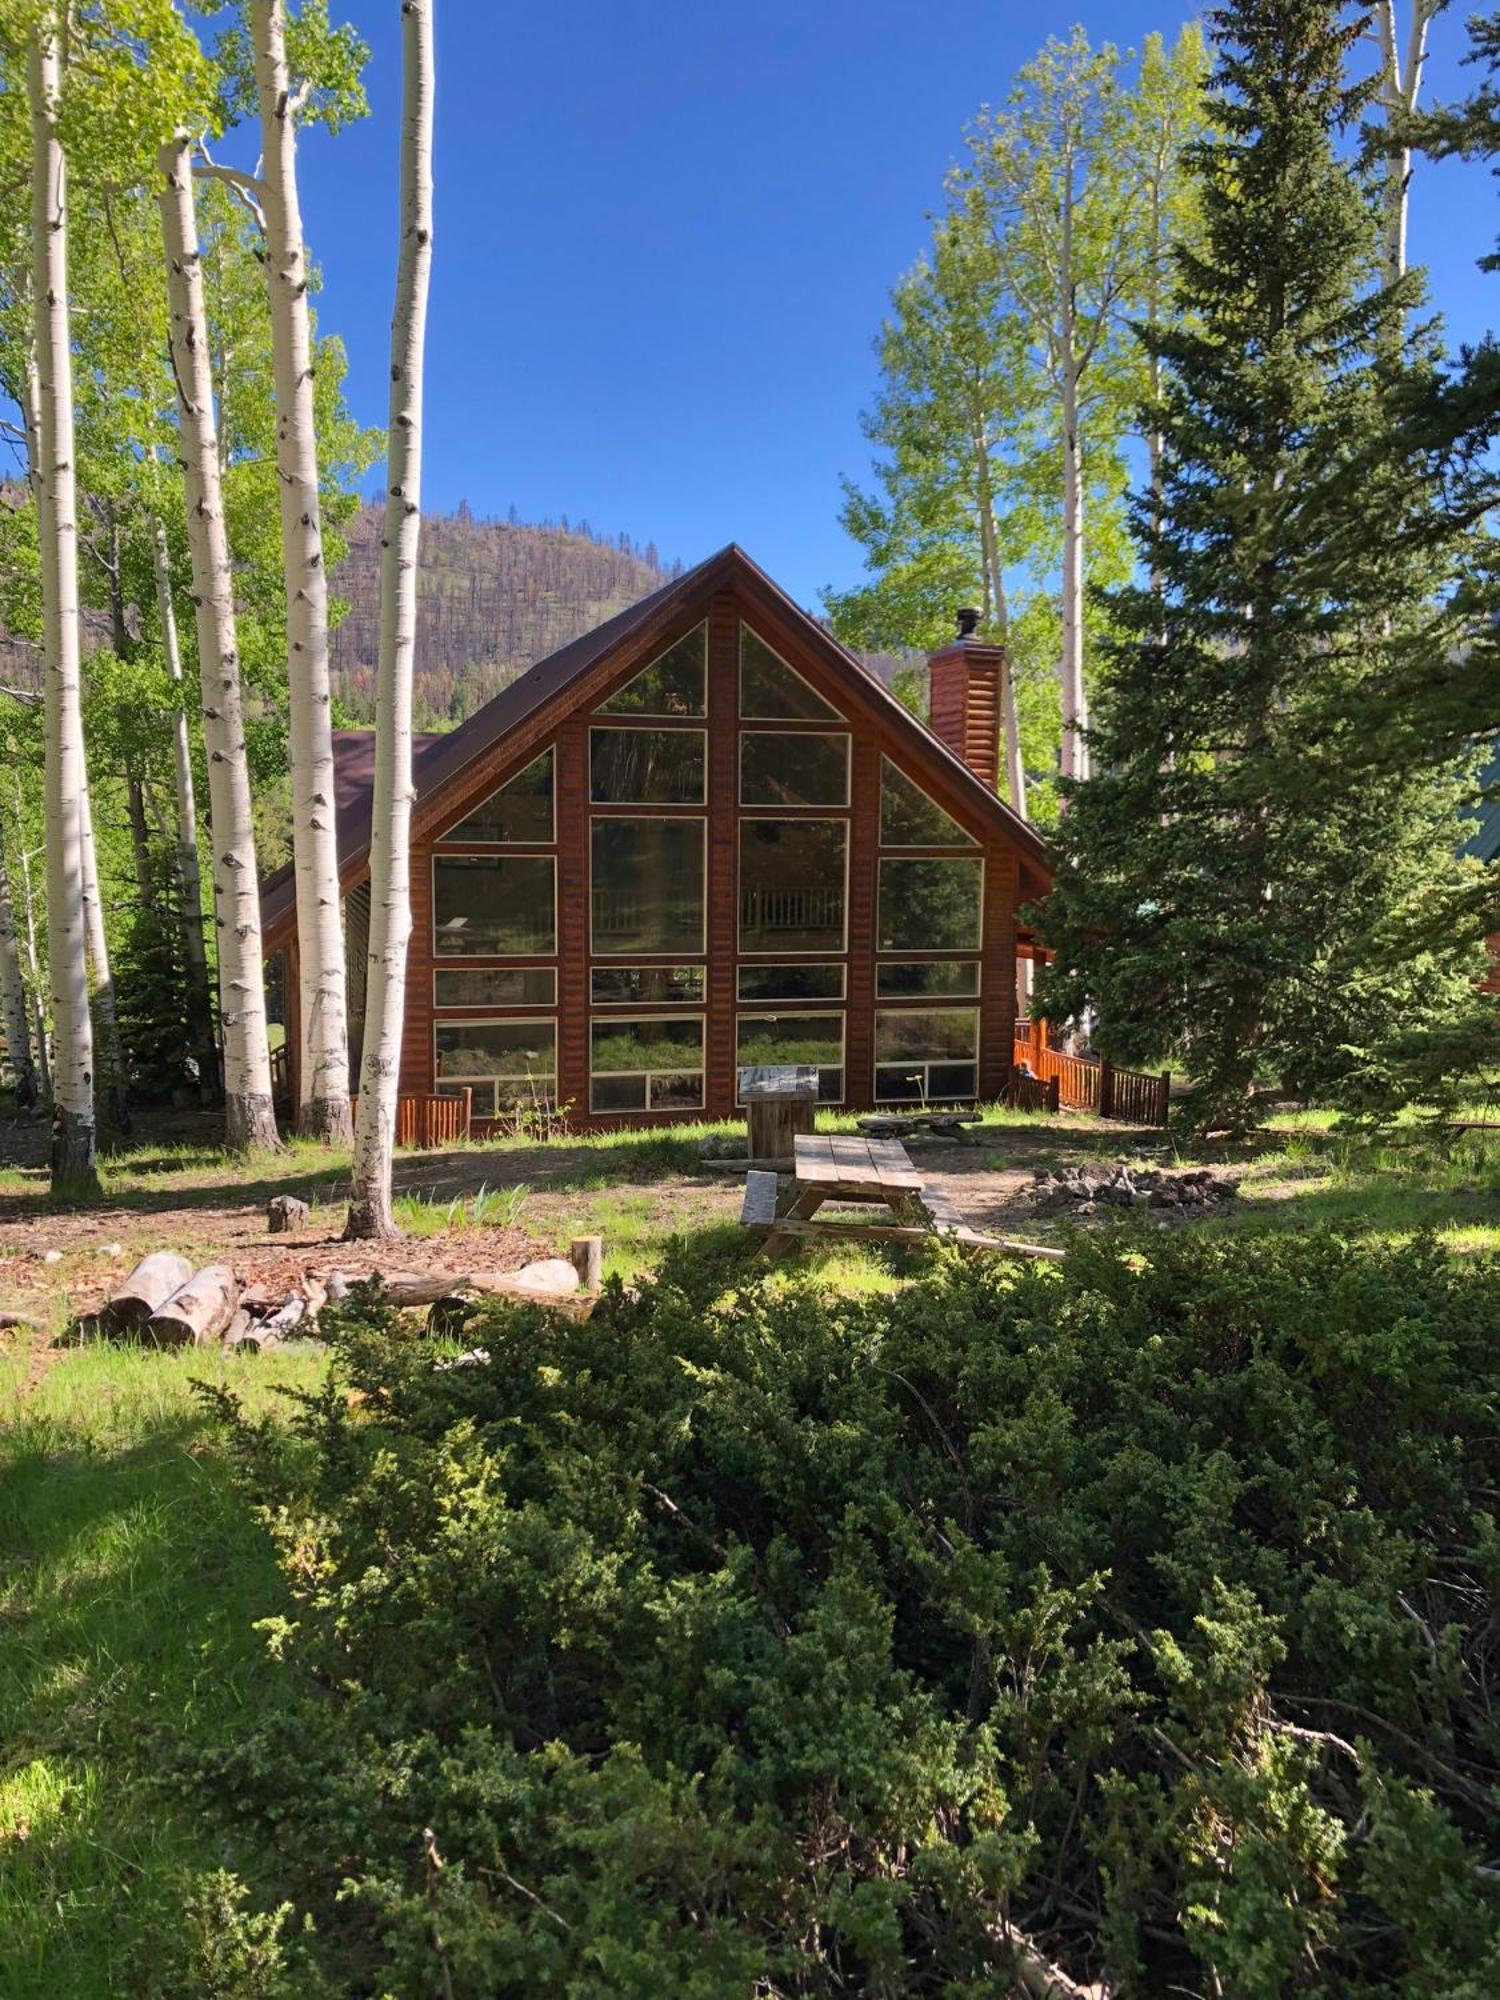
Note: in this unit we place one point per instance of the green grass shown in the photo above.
(132, 1578)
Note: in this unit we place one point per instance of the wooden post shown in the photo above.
(1054, 1094)
(586, 1255)
(1106, 1088)
(1166, 1096)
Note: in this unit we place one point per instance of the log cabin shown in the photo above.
(698, 838)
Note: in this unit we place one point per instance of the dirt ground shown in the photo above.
(184, 1197)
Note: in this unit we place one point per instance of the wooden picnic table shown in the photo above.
(878, 1172)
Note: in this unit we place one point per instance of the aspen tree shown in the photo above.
(74, 1139)
(323, 1112)
(370, 1210)
(13, 1006)
(249, 1117)
(1398, 89)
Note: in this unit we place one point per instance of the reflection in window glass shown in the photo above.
(791, 982)
(611, 984)
(908, 818)
(647, 885)
(650, 1065)
(502, 1062)
(926, 1055)
(520, 813)
(956, 978)
(647, 767)
(493, 903)
(929, 905)
(673, 684)
(794, 1038)
(786, 767)
(792, 884)
(496, 986)
(770, 691)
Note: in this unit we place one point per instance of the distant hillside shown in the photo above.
(494, 597)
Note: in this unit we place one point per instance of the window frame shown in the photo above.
(490, 854)
(925, 1064)
(526, 968)
(650, 727)
(777, 806)
(966, 843)
(790, 964)
(970, 857)
(834, 719)
(811, 952)
(683, 816)
(675, 966)
(643, 715)
(806, 1012)
(476, 1083)
(970, 961)
(612, 1021)
(449, 837)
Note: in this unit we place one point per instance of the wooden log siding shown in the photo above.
(564, 723)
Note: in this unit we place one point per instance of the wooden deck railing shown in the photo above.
(1089, 1083)
(431, 1121)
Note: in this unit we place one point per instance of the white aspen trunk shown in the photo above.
(34, 976)
(250, 1121)
(1075, 714)
(13, 1004)
(370, 1209)
(997, 601)
(1074, 701)
(74, 1168)
(323, 1112)
(1400, 88)
(189, 875)
(108, 1048)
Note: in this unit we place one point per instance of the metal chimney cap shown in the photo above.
(968, 621)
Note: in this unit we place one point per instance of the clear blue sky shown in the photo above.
(666, 233)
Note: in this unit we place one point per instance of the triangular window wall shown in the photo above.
(771, 691)
(519, 814)
(675, 683)
(908, 818)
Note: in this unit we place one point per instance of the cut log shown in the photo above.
(284, 1212)
(586, 1255)
(547, 1278)
(197, 1312)
(149, 1286)
(237, 1330)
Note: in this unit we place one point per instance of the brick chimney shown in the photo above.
(965, 681)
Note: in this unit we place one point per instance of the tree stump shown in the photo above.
(781, 1100)
(284, 1212)
(586, 1255)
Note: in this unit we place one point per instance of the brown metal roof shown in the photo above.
(438, 759)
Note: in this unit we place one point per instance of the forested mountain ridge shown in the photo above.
(493, 597)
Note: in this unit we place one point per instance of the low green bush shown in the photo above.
(1137, 1620)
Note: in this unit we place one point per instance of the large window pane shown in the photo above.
(771, 691)
(792, 884)
(496, 986)
(794, 1038)
(908, 818)
(784, 767)
(673, 684)
(649, 1065)
(519, 813)
(791, 982)
(926, 1055)
(647, 885)
(646, 767)
(907, 979)
(612, 985)
(930, 905)
(503, 1062)
(494, 903)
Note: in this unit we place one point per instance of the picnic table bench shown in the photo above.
(901, 1124)
(868, 1171)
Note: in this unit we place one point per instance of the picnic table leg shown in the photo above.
(798, 1206)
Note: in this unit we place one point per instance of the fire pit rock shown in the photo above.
(1086, 1190)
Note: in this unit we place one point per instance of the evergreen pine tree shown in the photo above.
(1246, 890)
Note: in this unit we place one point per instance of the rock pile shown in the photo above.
(1085, 1190)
